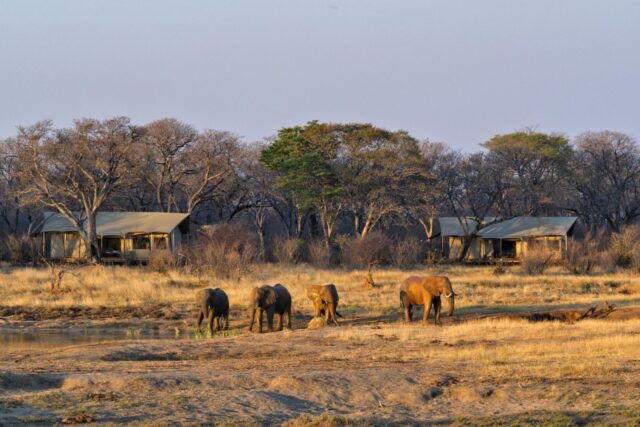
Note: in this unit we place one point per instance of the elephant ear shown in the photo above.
(269, 296)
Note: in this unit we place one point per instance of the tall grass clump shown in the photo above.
(537, 259)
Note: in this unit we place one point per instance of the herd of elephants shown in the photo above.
(213, 304)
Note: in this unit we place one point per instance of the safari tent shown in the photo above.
(508, 239)
(122, 236)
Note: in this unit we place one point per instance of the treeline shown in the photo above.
(315, 182)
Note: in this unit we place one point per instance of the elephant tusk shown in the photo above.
(449, 295)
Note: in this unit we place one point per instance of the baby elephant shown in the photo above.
(272, 299)
(325, 301)
(213, 304)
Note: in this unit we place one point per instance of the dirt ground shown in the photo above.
(477, 369)
(519, 350)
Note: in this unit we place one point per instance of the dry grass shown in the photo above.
(353, 375)
(480, 290)
(374, 369)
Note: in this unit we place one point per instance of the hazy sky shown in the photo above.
(454, 71)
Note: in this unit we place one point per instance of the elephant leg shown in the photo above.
(316, 308)
(437, 307)
(333, 314)
(270, 313)
(407, 313)
(260, 321)
(201, 317)
(280, 321)
(427, 309)
(211, 319)
(226, 321)
(253, 318)
(218, 323)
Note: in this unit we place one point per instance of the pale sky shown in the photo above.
(453, 71)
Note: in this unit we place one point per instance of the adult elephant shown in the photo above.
(325, 301)
(426, 291)
(274, 300)
(213, 304)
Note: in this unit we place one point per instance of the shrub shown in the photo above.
(623, 246)
(365, 252)
(225, 250)
(162, 262)
(289, 250)
(320, 255)
(537, 259)
(583, 255)
(406, 253)
(18, 250)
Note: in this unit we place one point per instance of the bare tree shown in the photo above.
(166, 141)
(74, 171)
(606, 178)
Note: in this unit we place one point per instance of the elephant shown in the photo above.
(426, 291)
(274, 300)
(325, 301)
(213, 304)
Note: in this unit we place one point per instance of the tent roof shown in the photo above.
(119, 223)
(450, 225)
(514, 228)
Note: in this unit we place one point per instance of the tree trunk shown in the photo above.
(91, 247)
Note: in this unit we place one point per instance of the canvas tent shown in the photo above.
(121, 236)
(505, 239)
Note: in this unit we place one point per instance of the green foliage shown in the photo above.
(303, 170)
(550, 147)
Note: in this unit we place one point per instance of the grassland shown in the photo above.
(480, 368)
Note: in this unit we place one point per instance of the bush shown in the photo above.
(225, 250)
(320, 255)
(365, 252)
(623, 246)
(18, 250)
(583, 255)
(537, 259)
(289, 250)
(162, 262)
(406, 253)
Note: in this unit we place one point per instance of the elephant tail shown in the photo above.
(402, 298)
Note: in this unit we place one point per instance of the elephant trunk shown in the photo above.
(450, 302)
(449, 295)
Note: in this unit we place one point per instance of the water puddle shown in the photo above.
(47, 338)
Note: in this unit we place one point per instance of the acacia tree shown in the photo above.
(75, 170)
(606, 178)
(382, 173)
(306, 176)
(536, 165)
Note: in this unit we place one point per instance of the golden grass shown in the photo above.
(501, 349)
(477, 287)
(498, 366)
